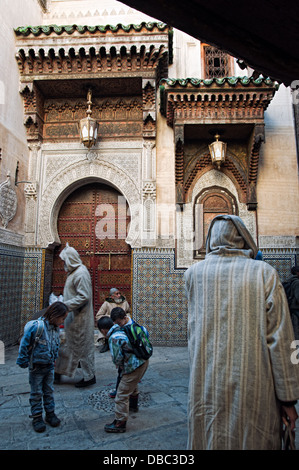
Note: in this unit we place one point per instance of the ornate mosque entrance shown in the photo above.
(94, 219)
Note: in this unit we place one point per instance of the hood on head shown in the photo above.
(71, 258)
(228, 233)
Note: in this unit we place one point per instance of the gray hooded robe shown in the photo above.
(240, 336)
(79, 324)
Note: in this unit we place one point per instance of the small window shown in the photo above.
(216, 63)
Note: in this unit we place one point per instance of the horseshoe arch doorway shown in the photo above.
(95, 219)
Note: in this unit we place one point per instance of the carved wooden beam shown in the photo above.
(33, 112)
(64, 50)
(257, 138)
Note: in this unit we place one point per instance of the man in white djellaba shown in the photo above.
(79, 324)
(243, 382)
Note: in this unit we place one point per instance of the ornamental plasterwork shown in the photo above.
(30, 191)
(126, 160)
(185, 217)
(149, 190)
(91, 156)
(72, 177)
(8, 202)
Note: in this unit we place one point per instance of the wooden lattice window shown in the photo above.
(216, 63)
(211, 202)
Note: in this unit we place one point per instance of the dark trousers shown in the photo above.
(41, 379)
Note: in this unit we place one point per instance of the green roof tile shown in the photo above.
(70, 29)
(196, 82)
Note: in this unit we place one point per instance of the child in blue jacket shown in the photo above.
(131, 368)
(38, 351)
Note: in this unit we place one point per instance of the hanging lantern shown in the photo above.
(88, 125)
(218, 151)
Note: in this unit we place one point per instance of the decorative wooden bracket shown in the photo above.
(258, 138)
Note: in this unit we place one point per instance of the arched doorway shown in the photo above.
(95, 219)
(209, 203)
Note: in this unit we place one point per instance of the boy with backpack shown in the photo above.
(124, 357)
(38, 351)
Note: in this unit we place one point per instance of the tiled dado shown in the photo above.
(33, 283)
(281, 252)
(11, 282)
(21, 288)
(282, 262)
(158, 299)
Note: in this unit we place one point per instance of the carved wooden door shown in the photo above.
(94, 220)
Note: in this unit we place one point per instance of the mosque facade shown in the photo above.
(137, 201)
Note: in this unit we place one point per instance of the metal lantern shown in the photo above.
(218, 151)
(88, 125)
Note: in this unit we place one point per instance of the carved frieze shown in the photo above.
(63, 50)
(226, 99)
(72, 175)
(228, 103)
(64, 57)
(117, 117)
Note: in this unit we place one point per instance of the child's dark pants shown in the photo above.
(41, 379)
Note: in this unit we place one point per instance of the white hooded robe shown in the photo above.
(240, 336)
(79, 324)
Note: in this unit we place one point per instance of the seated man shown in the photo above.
(132, 368)
(115, 299)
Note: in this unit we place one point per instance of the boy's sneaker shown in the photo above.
(52, 419)
(116, 426)
(38, 423)
(112, 393)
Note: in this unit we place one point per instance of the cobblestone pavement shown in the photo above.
(159, 424)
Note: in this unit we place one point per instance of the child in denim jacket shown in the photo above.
(39, 355)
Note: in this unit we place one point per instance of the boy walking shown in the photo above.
(133, 368)
(38, 351)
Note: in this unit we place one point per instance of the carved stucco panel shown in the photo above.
(71, 176)
(8, 201)
(185, 222)
(128, 161)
